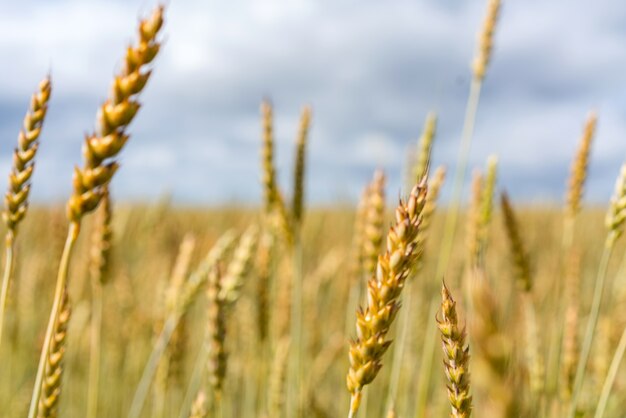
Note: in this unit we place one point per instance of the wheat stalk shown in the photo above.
(615, 218)
(384, 289)
(16, 198)
(99, 152)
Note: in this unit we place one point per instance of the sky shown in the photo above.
(371, 70)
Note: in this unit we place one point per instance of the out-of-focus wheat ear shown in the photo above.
(434, 187)
(383, 293)
(177, 348)
(374, 223)
(268, 177)
(358, 235)
(264, 274)
(217, 333)
(51, 386)
(456, 357)
(16, 198)
(425, 146)
(616, 214)
(473, 219)
(277, 378)
(101, 240)
(180, 271)
(570, 332)
(519, 256)
(299, 171)
(116, 113)
(492, 348)
(239, 267)
(485, 40)
(199, 277)
(578, 172)
(486, 204)
(199, 406)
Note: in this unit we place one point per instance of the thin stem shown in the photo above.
(6, 278)
(153, 362)
(610, 378)
(295, 375)
(94, 354)
(426, 365)
(72, 235)
(591, 324)
(196, 378)
(459, 176)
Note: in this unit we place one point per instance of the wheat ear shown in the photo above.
(16, 198)
(374, 223)
(485, 40)
(425, 146)
(99, 149)
(274, 202)
(199, 409)
(578, 175)
(456, 357)
(299, 170)
(384, 290)
(51, 391)
(473, 218)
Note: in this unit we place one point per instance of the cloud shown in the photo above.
(370, 70)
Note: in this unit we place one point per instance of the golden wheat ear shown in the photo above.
(456, 357)
(16, 198)
(116, 113)
(383, 293)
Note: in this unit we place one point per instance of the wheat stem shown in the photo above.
(153, 362)
(610, 378)
(591, 324)
(94, 353)
(6, 278)
(62, 275)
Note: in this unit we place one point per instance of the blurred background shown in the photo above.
(370, 69)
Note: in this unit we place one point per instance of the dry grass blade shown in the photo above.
(456, 357)
(384, 289)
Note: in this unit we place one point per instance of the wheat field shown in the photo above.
(416, 308)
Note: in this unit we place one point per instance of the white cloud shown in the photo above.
(371, 70)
